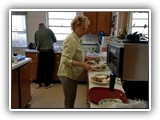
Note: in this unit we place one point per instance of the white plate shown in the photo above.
(106, 103)
(103, 77)
(98, 67)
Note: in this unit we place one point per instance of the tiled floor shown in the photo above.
(53, 97)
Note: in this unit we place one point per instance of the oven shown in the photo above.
(130, 61)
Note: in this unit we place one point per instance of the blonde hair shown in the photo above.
(79, 21)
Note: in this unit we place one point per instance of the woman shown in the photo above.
(72, 62)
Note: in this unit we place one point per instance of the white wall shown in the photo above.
(33, 20)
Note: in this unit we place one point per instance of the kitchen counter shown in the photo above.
(32, 50)
(36, 51)
(91, 84)
(20, 63)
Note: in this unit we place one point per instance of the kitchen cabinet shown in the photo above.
(99, 21)
(92, 28)
(85, 76)
(25, 90)
(20, 86)
(14, 90)
(34, 62)
(57, 58)
(104, 22)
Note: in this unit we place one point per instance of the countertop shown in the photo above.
(20, 63)
(91, 84)
(32, 50)
(36, 51)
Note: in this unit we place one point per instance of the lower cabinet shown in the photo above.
(84, 79)
(57, 58)
(34, 62)
(25, 83)
(20, 87)
(14, 90)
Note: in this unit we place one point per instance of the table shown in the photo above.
(91, 84)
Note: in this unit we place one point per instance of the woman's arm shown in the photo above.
(85, 65)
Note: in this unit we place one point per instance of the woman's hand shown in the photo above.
(97, 59)
(86, 66)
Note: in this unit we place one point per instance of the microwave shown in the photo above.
(115, 58)
(129, 60)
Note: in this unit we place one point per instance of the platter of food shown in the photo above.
(100, 79)
(91, 62)
(98, 67)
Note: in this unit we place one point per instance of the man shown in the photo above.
(44, 40)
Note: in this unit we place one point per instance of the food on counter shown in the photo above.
(98, 67)
(91, 62)
(100, 79)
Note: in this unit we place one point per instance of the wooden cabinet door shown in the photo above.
(57, 58)
(34, 63)
(99, 21)
(14, 90)
(92, 28)
(25, 83)
(104, 22)
(33, 73)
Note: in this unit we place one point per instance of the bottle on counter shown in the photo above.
(15, 58)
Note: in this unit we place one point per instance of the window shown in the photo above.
(140, 23)
(19, 36)
(60, 23)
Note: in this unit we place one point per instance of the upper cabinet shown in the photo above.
(92, 16)
(104, 22)
(99, 21)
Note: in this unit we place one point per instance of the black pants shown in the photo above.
(45, 67)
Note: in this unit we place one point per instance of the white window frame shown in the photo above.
(17, 33)
(64, 29)
(141, 26)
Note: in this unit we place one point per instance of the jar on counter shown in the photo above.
(15, 58)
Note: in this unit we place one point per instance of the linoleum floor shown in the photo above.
(53, 98)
